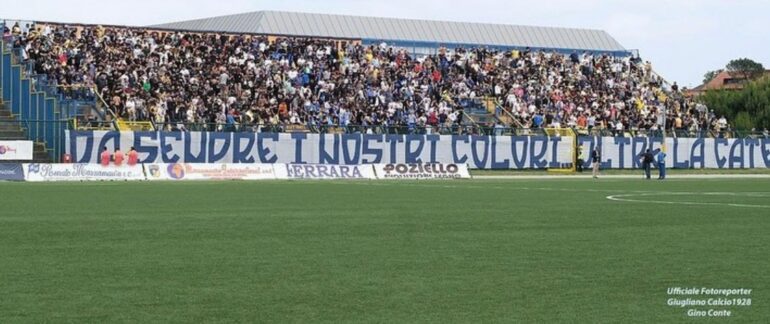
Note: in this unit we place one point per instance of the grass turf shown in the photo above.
(445, 251)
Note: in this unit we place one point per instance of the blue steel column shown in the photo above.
(15, 86)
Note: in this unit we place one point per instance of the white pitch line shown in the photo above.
(619, 197)
(624, 198)
(437, 184)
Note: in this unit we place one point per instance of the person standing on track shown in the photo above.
(133, 157)
(596, 158)
(661, 157)
(119, 157)
(105, 157)
(580, 160)
(647, 160)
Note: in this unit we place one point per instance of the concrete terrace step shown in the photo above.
(483, 118)
(12, 130)
(9, 128)
(12, 134)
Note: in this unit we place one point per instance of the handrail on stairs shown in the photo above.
(510, 115)
(99, 99)
(463, 113)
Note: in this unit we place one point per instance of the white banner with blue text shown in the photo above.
(37, 172)
(324, 171)
(478, 152)
(420, 171)
(203, 171)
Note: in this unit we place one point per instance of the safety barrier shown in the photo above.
(39, 172)
(479, 152)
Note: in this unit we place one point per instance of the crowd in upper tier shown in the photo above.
(172, 77)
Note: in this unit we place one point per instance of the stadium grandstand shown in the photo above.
(271, 71)
(285, 167)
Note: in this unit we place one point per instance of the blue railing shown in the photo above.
(431, 48)
(74, 101)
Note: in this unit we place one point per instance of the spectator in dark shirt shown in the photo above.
(647, 159)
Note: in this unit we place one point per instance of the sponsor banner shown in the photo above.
(422, 171)
(16, 150)
(324, 171)
(200, 171)
(11, 172)
(81, 172)
(479, 152)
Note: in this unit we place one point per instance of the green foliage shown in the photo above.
(746, 67)
(710, 75)
(747, 108)
(743, 121)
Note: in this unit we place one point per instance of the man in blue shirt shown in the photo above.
(537, 120)
(661, 157)
(230, 120)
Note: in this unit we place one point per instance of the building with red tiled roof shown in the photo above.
(723, 81)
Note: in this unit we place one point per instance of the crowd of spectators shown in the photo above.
(174, 78)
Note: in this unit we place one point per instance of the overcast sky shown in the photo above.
(682, 38)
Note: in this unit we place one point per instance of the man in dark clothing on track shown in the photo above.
(647, 159)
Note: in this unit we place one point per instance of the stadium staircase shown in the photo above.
(31, 110)
(481, 111)
(11, 130)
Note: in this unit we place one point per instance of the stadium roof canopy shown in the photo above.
(395, 30)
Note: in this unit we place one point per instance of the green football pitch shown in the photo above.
(572, 250)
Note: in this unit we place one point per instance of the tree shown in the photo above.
(743, 121)
(710, 75)
(747, 68)
(746, 108)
